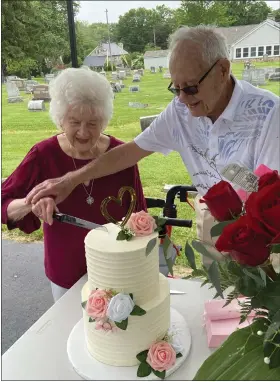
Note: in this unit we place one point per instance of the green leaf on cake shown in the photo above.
(137, 311)
(160, 374)
(84, 304)
(131, 296)
(150, 246)
(142, 356)
(179, 355)
(91, 319)
(144, 370)
(123, 324)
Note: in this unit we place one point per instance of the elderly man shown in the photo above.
(213, 120)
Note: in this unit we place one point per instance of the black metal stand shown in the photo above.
(72, 34)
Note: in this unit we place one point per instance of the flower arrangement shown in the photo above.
(246, 234)
(110, 310)
(160, 357)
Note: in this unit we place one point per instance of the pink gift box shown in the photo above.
(221, 322)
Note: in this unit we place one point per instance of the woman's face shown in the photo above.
(82, 127)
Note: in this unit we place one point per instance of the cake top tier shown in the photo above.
(106, 241)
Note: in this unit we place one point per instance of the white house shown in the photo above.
(156, 58)
(253, 42)
(99, 55)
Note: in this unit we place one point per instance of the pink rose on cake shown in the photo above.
(105, 325)
(141, 223)
(161, 356)
(97, 304)
(120, 307)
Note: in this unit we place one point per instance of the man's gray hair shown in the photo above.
(79, 88)
(211, 43)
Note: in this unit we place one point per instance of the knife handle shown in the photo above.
(58, 216)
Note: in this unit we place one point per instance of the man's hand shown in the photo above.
(44, 209)
(58, 189)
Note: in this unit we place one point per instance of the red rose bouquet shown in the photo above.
(248, 234)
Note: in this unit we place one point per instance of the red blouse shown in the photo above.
(65, 259)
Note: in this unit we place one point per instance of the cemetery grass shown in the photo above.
(21, 129)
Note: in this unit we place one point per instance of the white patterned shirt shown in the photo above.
(247, 132)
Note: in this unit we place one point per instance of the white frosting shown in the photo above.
(122, 265)
(121, 347)
(125, 267)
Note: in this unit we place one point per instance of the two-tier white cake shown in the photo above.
(127, 268)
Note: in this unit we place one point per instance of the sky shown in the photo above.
(94, 11)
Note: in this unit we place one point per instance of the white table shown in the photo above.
(40, 354)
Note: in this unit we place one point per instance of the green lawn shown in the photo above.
(21, 129)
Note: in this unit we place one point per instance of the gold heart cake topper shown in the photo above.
(119, 200)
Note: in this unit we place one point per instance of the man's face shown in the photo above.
(187, 68)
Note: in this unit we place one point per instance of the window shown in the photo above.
(253, 51)
(268, 50)
(276, 50)
(260, 51)
(245, 52)
(238, 52)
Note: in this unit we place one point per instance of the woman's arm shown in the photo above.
(18, 209)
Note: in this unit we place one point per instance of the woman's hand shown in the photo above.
(44, 209)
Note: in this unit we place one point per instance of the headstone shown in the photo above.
(146, 121)
(128, 72)
(138, 105)
(247, 76)
(49, 77)
(121, 84)
(167, 75)
(268, 71)
(275, 76)
(19, 83)
(116, 87)
(141, 72)
(258, 77)
(103, 73)
(160, 69)
(114, 76)
(153, 69)
(134, 89)
(10, 78)
(136, 78)
(122, 74)
(265, 57)
(135, 71)
(41, 92)
(29, 85)
(13, 92)
(37, 105)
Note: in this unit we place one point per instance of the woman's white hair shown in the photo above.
(211, 43)
(79, 88)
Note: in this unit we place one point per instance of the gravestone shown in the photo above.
(268, 71)
(29, 85)
(136, 78)
(247, 76)
(275, 76)
(122, 74)
(103, 73)
(116, 87)
(41, 92)
(167, 75)
(38, 105)
(141, 72)
(135, 71)
(114, 76)
(134, 89)
(10, 78)
(160, 69)
(146, 121)
(138, 105)
(13, 92)
(20, 83)
(121, 84)
(153, 69)
(49, 77)
(258, 77)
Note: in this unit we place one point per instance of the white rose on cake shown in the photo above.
(120, 307)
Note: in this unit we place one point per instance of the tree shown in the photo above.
(276, 14)
(163, 24)
(246, 12)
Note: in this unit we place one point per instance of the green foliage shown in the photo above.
(144, 370)
(109, 67)
(123, 324)
(245, 12)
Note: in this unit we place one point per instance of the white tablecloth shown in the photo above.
(40, 354)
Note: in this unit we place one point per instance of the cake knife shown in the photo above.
(64, 218)
(172, 291)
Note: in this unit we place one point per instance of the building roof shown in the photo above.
(97, 61)
(103, 48)
(156, 53)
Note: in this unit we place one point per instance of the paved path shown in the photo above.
(26, 292)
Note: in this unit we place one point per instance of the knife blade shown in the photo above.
(64, 218)
(172, 291)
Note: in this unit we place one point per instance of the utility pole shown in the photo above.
(109, 40)
(72, 34)
(154, 29)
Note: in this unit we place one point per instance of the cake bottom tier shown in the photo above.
(120, 347)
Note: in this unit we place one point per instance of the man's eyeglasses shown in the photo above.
(190, 90)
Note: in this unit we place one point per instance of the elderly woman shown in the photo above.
(81, 107)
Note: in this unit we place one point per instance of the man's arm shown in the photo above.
(113, 161)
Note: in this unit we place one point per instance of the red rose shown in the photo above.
(222, 201)
(244, 245)
(268, 179)
(263, 209)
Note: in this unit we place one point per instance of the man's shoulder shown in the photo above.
(251, 92)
